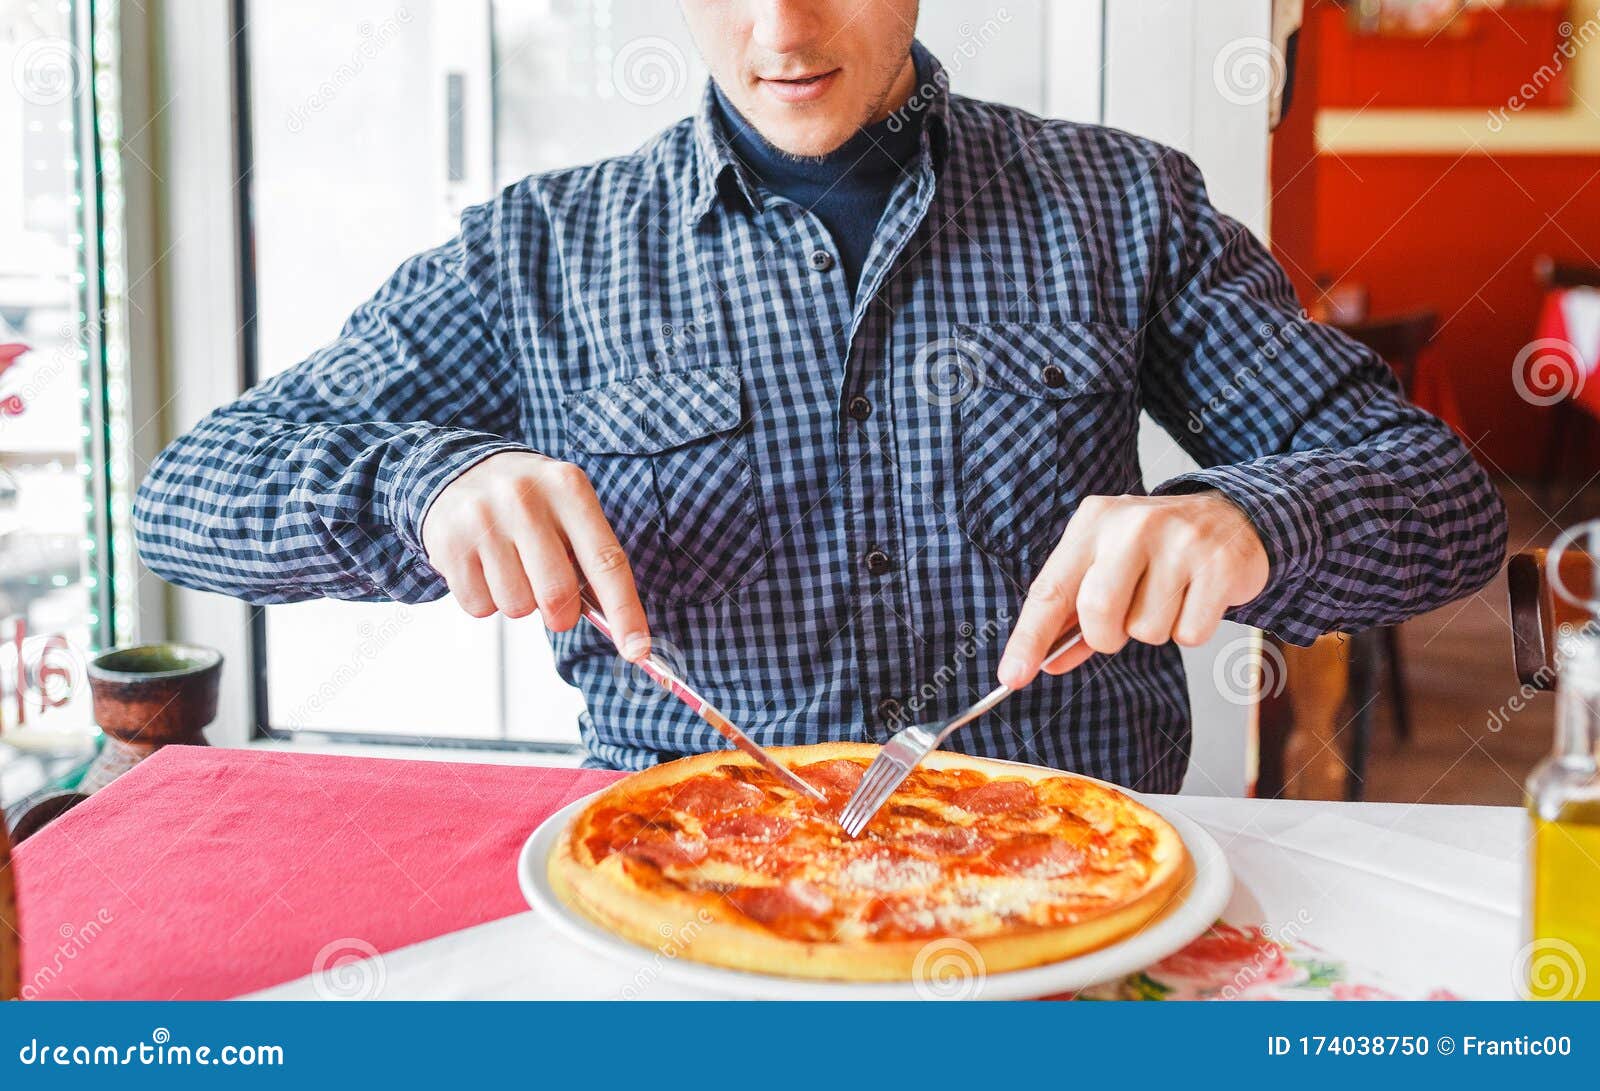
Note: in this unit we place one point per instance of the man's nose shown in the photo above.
(788, 26)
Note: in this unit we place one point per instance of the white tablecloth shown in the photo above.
(1580, 310)
(1429, 896)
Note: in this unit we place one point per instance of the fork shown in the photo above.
(907, 747)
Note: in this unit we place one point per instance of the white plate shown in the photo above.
(951, 972)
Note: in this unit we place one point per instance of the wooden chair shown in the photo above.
(1400, 340)
(30, 815)
(1565, 274)
(10, 927)
(1537, 612)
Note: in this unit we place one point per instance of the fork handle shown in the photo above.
(1065, 643)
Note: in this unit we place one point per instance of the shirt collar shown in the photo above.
(718, 172)
(716, 165)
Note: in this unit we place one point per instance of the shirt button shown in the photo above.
(859, 408)
(1054, 377)
(888, 712)
(821, 260)
(877, 562)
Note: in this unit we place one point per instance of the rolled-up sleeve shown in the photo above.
(314, 483)
(1370, 509)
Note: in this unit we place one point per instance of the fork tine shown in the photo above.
(852, 808)
(859, 820)
(871, 794)
(865, 791)
(890, 785)
(871, 806)
(880, 768)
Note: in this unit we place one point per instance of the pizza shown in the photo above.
(714, 857)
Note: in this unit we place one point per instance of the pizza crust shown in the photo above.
(707, 928)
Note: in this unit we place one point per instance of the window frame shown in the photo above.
(105, 550)
(105, 443)
(261, 725)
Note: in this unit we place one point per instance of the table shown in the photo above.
(215, 873)
(1558, 365)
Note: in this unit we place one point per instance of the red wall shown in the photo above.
(1456, 233)
(1460, 235)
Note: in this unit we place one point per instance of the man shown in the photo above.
(834, 389)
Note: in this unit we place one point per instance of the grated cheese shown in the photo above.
(883, 873)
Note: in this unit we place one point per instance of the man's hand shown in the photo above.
(1153, 568)
(513, 534)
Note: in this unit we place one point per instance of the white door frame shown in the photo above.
(1175, 78)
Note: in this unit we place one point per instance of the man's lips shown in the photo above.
(801, 89)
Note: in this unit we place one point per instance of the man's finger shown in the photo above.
(466, 584)
(1069, 660)
(1204, 603)
(1157, 601)
(504, 577)
(605, 566)
(1106, 593)
(1046, 611)
(551, 573)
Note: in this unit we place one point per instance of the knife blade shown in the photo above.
(669, 680)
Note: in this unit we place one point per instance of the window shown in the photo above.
(372, 124)
(64, 588)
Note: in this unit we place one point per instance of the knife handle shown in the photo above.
(652, 665)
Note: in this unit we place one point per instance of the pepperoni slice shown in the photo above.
(907, 811)
(838, 777)
(1062, 792)
(791, 901)
(749, 827)
(1036, 856)
(947, 841)
(612, 827)
(942, 782)
(996, 796)
(665, 849)
(708, 795)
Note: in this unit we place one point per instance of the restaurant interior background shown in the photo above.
(193, 195)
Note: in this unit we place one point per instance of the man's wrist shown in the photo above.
(429, 469)
(1286, 524)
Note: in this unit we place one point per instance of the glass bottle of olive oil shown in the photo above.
(1562, 958)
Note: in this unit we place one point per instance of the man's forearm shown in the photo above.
(1367, 534)
(263, 509)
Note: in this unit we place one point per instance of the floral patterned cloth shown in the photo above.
(1249, 963)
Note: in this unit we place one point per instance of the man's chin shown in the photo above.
(805, 140)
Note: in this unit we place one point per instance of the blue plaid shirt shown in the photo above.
(833, 505)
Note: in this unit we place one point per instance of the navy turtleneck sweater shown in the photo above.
(847, 189)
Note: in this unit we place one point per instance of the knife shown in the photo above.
(665, 677)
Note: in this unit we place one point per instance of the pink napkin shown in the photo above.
(206, 873)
